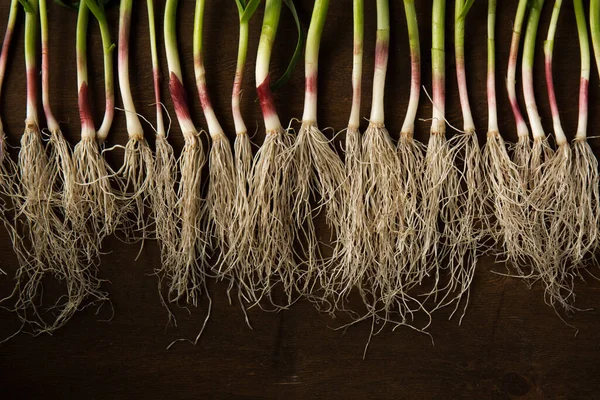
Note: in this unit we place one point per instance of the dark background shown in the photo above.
(509, 345)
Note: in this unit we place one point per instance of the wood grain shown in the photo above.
(510, 345)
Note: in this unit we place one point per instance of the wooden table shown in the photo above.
(510, 343)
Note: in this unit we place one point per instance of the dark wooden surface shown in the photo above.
(510, 343)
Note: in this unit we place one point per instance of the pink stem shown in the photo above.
(267, 104)
(85, 113)
(550, 86)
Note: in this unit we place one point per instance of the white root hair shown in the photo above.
(585, 182)
(271, 226)
(187, 273)
(137, 175)
(163, 197)
(51, 247)
(440, 210)
(351, 259)
(320, 179)
(521, 155)
(464, 230)
(98, 210)
(62, 174)
(505, 203)
(237, 258)
(553, 199)
(411, 155)
(383, 286)
(220, 197)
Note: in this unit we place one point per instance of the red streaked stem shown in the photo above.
(311, 63)
(438, 65)
(176, 88)
(240, 126)
(548, 51)
(50, 120)
(134, 126)
(408, 127)
(491, 74)
(357, 62)
(88, 131)
(263, 59)
(160, 124)
(537, 129)
(511, 80)
(214, 128)
(382, 49)
(461, 74)
(584, 80)
(31, 61)
(10, 27)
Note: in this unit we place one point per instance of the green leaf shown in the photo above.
(73, 5)
(297, 53)
(240, 5)
(465, 9)
(251, 7)
(26, 5)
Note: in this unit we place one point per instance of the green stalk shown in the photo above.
(357, 60)
(214, 128)
(527, 69)
(408, 126)
(160, 124)
(107, 46)
(438, 66)
(584, 49)
(88, 130)
(263, 59)
(491, 76)
(511, 73)
(240, 126)
(311, 57)
(548, 52)
(595, 30)
(382, 45)
(10, 27)
(134, 126)
(460, 12)
(31, 36)
(50, 120)
(178, 93)
(267, 38)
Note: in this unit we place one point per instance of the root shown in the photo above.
(540, 154)
(221, 196)
(411, 155)
(321, 178)
(587, 202)
(552, 201)
(51, 245)
(9, 196)
(521, 155)
(271, 226)
(97, 205)
(62, 175)
(163, 198)
(505, 203)
(440, 203)
(464, 231)
(187, 274)
(239, 247)
(137, 177)
(354, 234)
(383, 198)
